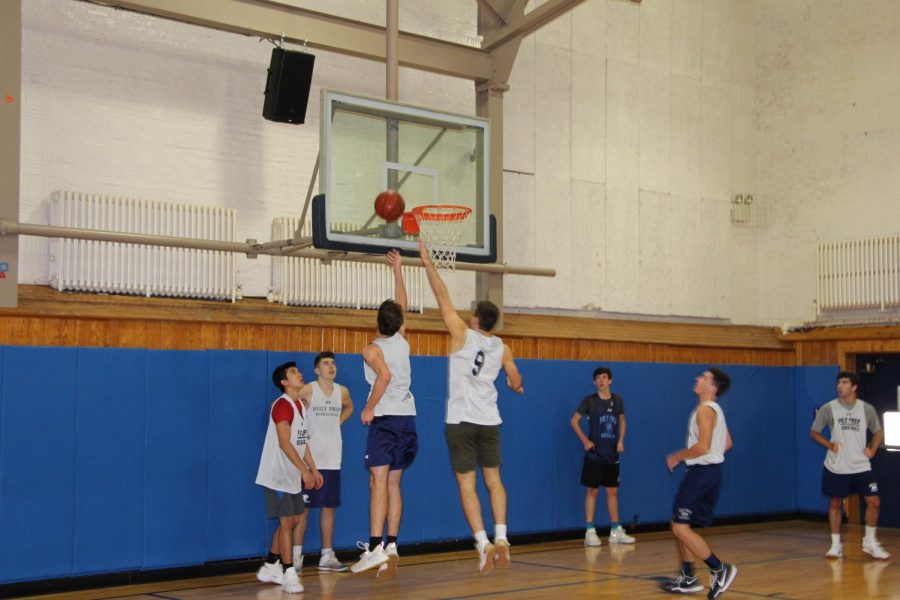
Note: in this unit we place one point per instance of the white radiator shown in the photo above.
(859, 274)
(119, 268)
(301, 281)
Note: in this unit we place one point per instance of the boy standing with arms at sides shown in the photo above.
(473, 418)
(284, 475)
(329, 406)
(708, 441)
(390, 413)
(847, 468)
(605, 412)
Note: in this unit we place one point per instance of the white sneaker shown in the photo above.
(486, 558)
(591, 538)
(389, 569)
(292, 583)
(329, 562)
(271, 573)
(618, 536)
(502, 556)
(369, 558)
(298, 562)
(874, 549)
(836, 551)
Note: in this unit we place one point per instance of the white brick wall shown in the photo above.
(829, 137)
(628, 127)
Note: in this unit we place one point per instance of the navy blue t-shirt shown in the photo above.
(603, 423)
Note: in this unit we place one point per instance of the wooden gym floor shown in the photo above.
(775, 560)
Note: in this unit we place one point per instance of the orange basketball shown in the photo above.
(389, 205)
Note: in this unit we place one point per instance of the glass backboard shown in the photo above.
(429, 157)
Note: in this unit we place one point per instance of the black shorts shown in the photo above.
(283, 504)
(472, 446)
(835, 485)
(392, 441)
(697, 495)
(595, 474)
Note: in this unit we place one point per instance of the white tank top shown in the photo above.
(325, 426)
(397, 399)
(716, 452)
(472, 395)
(276, 471)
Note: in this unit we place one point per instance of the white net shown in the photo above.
(441, 228)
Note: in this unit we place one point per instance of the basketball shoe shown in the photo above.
(369, 558)
(502, 557)
(591, 538)
(271, 573)
(486, 558)
(721, 580)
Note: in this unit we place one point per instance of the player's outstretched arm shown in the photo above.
(513, 377)
(452, 320)
(396, 261)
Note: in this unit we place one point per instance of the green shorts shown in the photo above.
(472, 446)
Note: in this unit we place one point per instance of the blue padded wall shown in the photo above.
(37, 462)
(176, 461)
(111, 400)
(146, 459)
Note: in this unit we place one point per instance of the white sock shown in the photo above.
(481, 539)
(835, 539)
(327, 551)
(870, 534)
(298, 552)
(500, 532)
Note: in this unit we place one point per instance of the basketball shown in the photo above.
(389, 205)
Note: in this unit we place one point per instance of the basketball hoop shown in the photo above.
(440, 228)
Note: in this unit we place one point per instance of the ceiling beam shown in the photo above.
(273, 19)
(521, 25)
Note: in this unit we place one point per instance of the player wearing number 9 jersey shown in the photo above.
(473, 418)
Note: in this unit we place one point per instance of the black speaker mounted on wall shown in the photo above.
(287, 86)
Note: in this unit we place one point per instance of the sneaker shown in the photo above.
(329, 562)
(389, 569)
(369, 558)
(874, 549)
(292, 583)
(298, 562)
(683, 585)
(618, 536)
(271, 573)
(502, 556)
(720, 580)
(591, 538)
(836, 551)
(486, 558)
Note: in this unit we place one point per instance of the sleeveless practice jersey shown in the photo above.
(848, 426)
(472, 395)
(325, 426)
(716, 452)
(397, 399)
(276, 472)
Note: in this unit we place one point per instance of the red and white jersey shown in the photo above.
(276, 471)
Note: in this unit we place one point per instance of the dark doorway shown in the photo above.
(879, 382)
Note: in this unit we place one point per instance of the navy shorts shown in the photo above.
(327, 496)
(835, 485)
(392, 441)
(697, 495)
